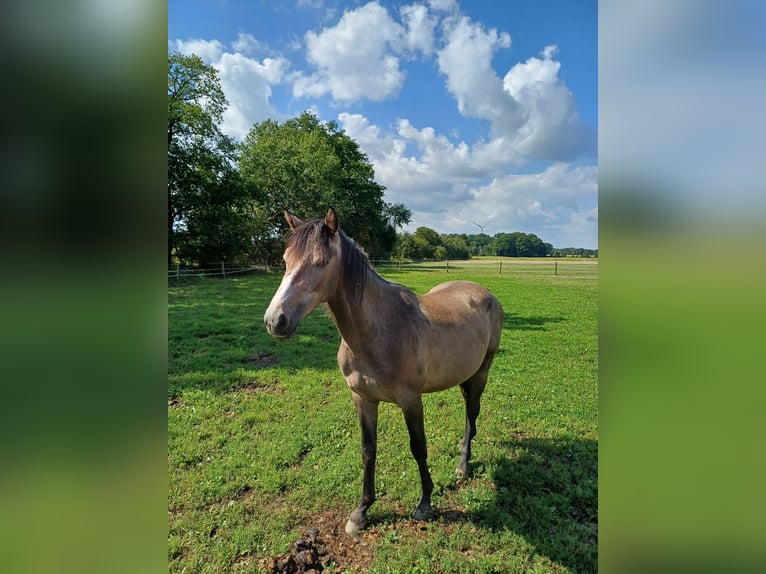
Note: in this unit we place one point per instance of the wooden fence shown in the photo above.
(586, 268)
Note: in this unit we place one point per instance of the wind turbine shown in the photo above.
(480, 226)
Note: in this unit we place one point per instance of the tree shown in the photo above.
(217, 224)
(208, 215)
(456, 246)
(429, 237)
(196, 101)
(304, 165)
(479, 244)
(504, 244)
(405, 247)
(518, 244)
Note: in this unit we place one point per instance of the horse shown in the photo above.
(395, 345)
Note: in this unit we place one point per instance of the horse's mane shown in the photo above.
(312, 239)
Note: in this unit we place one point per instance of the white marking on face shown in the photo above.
(304, 286)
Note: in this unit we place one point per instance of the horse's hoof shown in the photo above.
(353, 526)
(463, 471)
(424, 513)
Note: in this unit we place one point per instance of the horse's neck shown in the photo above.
(357, 317)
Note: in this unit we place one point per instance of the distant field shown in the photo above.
(263, 440)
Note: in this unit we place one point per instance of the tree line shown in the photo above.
(426, 243)
(225, 199)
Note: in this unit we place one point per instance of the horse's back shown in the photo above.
(465, 321)
(457, 301)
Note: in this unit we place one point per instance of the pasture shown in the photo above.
(263, 440)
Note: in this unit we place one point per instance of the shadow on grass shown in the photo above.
(543, 490)
(546, 491)
(532, 323)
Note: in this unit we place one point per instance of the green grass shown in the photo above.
(263, 438)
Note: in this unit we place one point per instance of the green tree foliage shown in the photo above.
(456, 246)
(427, 243)
(479, 244)
(209, 216)
(518, 244)
(304, 165)
(504, 244)
(573, 252)
(419, 245)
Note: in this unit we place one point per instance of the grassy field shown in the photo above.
(263, 441)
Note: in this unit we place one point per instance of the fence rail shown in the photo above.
(585, 268)
(565, 267)
(177, 272)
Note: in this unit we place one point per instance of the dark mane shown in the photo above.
(312, 239)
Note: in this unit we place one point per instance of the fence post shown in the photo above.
(178, 271)
(223, 270)
(555, 267)
(501, 268)
(447, 265)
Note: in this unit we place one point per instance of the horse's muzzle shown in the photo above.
(279, 325)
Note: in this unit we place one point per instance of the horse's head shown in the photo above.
(312, 264)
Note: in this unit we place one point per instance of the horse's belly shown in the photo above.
(445, 374)
(454, 356)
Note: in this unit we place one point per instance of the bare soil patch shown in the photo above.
(263, 360)
(323, 541)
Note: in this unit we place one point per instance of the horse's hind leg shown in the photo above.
(472, 390)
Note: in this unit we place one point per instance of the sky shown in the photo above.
(474, 114)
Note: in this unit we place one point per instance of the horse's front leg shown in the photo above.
(367, 411)
(413, 416)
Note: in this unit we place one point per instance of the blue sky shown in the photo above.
(470, 112)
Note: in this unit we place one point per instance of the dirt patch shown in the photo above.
(324, 541)
(263, 360)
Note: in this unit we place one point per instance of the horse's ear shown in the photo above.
(331, 220)
(292, 221)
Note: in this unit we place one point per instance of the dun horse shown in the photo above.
(395, 345)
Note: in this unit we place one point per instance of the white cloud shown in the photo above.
(354, 59)
(420, 26)
(246, 44)
(444, 5)
(531, 107)
(557, 204)
(552, 127)
(559, 188)
(412, 162)
(449, 186)
(246, 82)
(209, 50)
(247, 85)
(466, 61)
